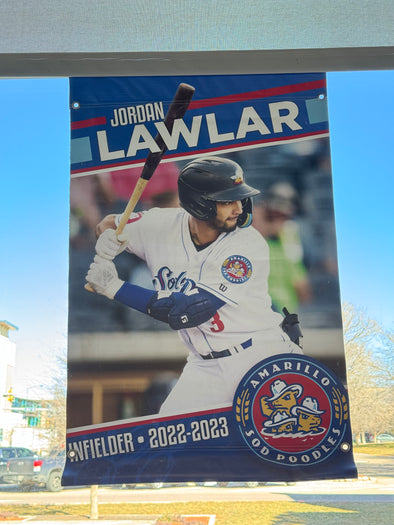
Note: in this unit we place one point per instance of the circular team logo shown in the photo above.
(292, 410)
(237, 269)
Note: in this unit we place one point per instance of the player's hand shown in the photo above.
(129, 228)
(103, 277)
(108, 245)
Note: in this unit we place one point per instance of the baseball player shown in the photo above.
(210, 273)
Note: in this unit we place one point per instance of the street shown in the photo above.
(375, 483)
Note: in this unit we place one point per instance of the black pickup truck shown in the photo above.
(42, 471)
(11, 452)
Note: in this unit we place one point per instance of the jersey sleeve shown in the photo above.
(140, 230)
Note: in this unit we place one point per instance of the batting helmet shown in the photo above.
(208, 180)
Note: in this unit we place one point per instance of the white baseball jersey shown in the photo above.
(234, 268)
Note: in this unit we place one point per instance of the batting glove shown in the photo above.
(108, 246)
(103, 277)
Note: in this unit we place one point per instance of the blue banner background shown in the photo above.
(95, 101)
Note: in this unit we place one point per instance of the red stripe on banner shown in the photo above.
(130, 164)
(98, 121)
(260, 93)
(147, 421)
(220, 149)
(216, 101)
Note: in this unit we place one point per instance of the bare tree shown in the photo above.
(370, 380)
(52, 413)
(56, 407)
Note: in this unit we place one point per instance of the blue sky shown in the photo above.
(34, 157)
(361, 110)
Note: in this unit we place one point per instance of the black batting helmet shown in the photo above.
(208, 180)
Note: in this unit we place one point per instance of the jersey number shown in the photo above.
(217, 324)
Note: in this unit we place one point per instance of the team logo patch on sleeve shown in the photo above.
(293, 411)
(237, 269)
(134, 217)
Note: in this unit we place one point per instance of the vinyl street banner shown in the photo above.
(205, 334)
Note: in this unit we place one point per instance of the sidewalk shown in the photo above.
(129, 520)
(118, 520)
(49, 520)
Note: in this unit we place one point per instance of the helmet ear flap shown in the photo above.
(246, 217)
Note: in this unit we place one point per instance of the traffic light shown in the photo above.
(10, 395)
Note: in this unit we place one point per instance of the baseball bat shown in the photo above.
(176, 110)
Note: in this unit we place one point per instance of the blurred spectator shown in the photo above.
(165, 199)
(120, 184)
(84, 210)
(272, 217)
(91, 197)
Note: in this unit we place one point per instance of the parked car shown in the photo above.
(33, 470)
(384, 438)
(157, 485)
(11, 452)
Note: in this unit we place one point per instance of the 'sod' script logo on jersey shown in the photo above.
(166, 280)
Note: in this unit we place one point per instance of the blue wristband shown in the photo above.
(134, 296)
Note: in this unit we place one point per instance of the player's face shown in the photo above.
(227, 214)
